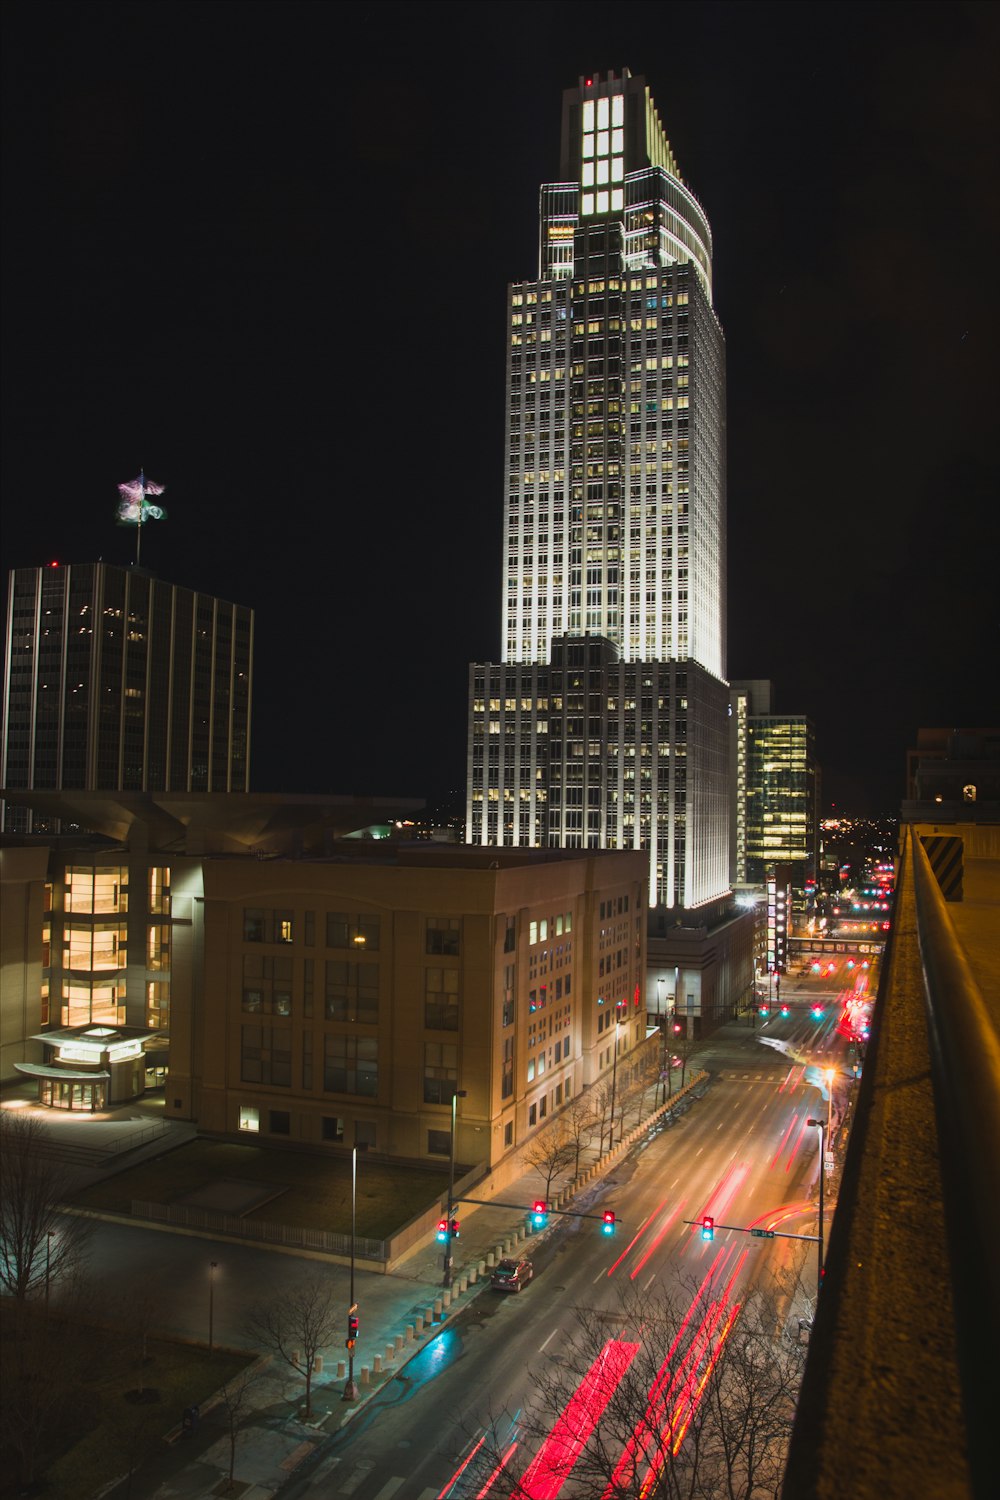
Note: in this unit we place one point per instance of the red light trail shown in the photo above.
(553, 1464)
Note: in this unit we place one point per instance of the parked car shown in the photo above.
(511, 1275)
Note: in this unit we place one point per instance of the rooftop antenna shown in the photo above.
(135, 510)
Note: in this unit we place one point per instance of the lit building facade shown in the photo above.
(782, 814)
(279, 977)
(604, 724)
(115, 680)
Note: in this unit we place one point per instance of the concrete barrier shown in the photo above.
(399, 1342)
(390, 1350)
(377, 1363)
(341, 1369)
(410, 1333)
(491, 1259)
(365, 1375)
(418, 1325)
(473, 1275)
(463, 1285)
(437, 1307)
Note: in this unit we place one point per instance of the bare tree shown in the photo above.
(45, 1363)
(38, 1245)
(549, 1154)
(136, 1321)
(297, 1325)
(602, 1095)
(238, 1407)
(679, 1396)
(579, 1121)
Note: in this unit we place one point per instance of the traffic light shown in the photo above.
(784, 1010)
(454, 1229)
(765, 1010)
(678, 1028)
(539, 1214)
(608, 1222)
(708, 1228)
(817, 1012)
(442, 1233)
(352, 1331)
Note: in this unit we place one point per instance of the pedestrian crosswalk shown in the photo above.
(355, 1481)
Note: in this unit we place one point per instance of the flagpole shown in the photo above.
(142, 503)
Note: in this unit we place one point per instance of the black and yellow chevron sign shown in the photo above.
(945, 853)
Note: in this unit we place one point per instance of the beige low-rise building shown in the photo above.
(293, 984)
(346, 999)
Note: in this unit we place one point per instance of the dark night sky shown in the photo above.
(262, 251)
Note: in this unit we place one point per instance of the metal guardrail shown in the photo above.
(897, 1397)
(292, 1236)
(965, 1060)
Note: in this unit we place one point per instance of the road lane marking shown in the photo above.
(390, 1487)
(649, 1283)
(552, 1335)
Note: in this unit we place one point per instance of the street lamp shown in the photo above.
(351, 1388)
(614, 1074)
(820, 1126)
(456, 1095)
(212, 1265)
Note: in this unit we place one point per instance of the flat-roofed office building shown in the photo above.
(116, 680)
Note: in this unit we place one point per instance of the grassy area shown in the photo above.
(312, 1191)
(94, 1405)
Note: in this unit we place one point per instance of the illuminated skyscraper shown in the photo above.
(115, 680)
(604, 725)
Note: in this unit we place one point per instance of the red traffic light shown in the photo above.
(539, 1213)
(352, 1325)
(454, 1229)
(708, 1228)
(608, 1222)
(442, 1229)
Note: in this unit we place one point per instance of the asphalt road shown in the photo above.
(743, 1153)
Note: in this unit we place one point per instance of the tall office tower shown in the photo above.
(115, 680)
(775, 792)
(604, 724)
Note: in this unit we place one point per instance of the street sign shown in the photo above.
(828, 1162)
(762, 1234)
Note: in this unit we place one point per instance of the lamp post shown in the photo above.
(821, 1127)
(829, 1074)
(664, 1071)
(212, 1265)
(351, 1388)
(456, 1095)
(614, 1075)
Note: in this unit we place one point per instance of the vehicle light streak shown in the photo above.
(664, 1384)
(666, 1225)
(694, 1394)
(461, 1469)
(491, 1480)
(553, 1464)
(640, 1231)
(776, 1216)
(795, 1148)
(784, 1139)
(726, 1191)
